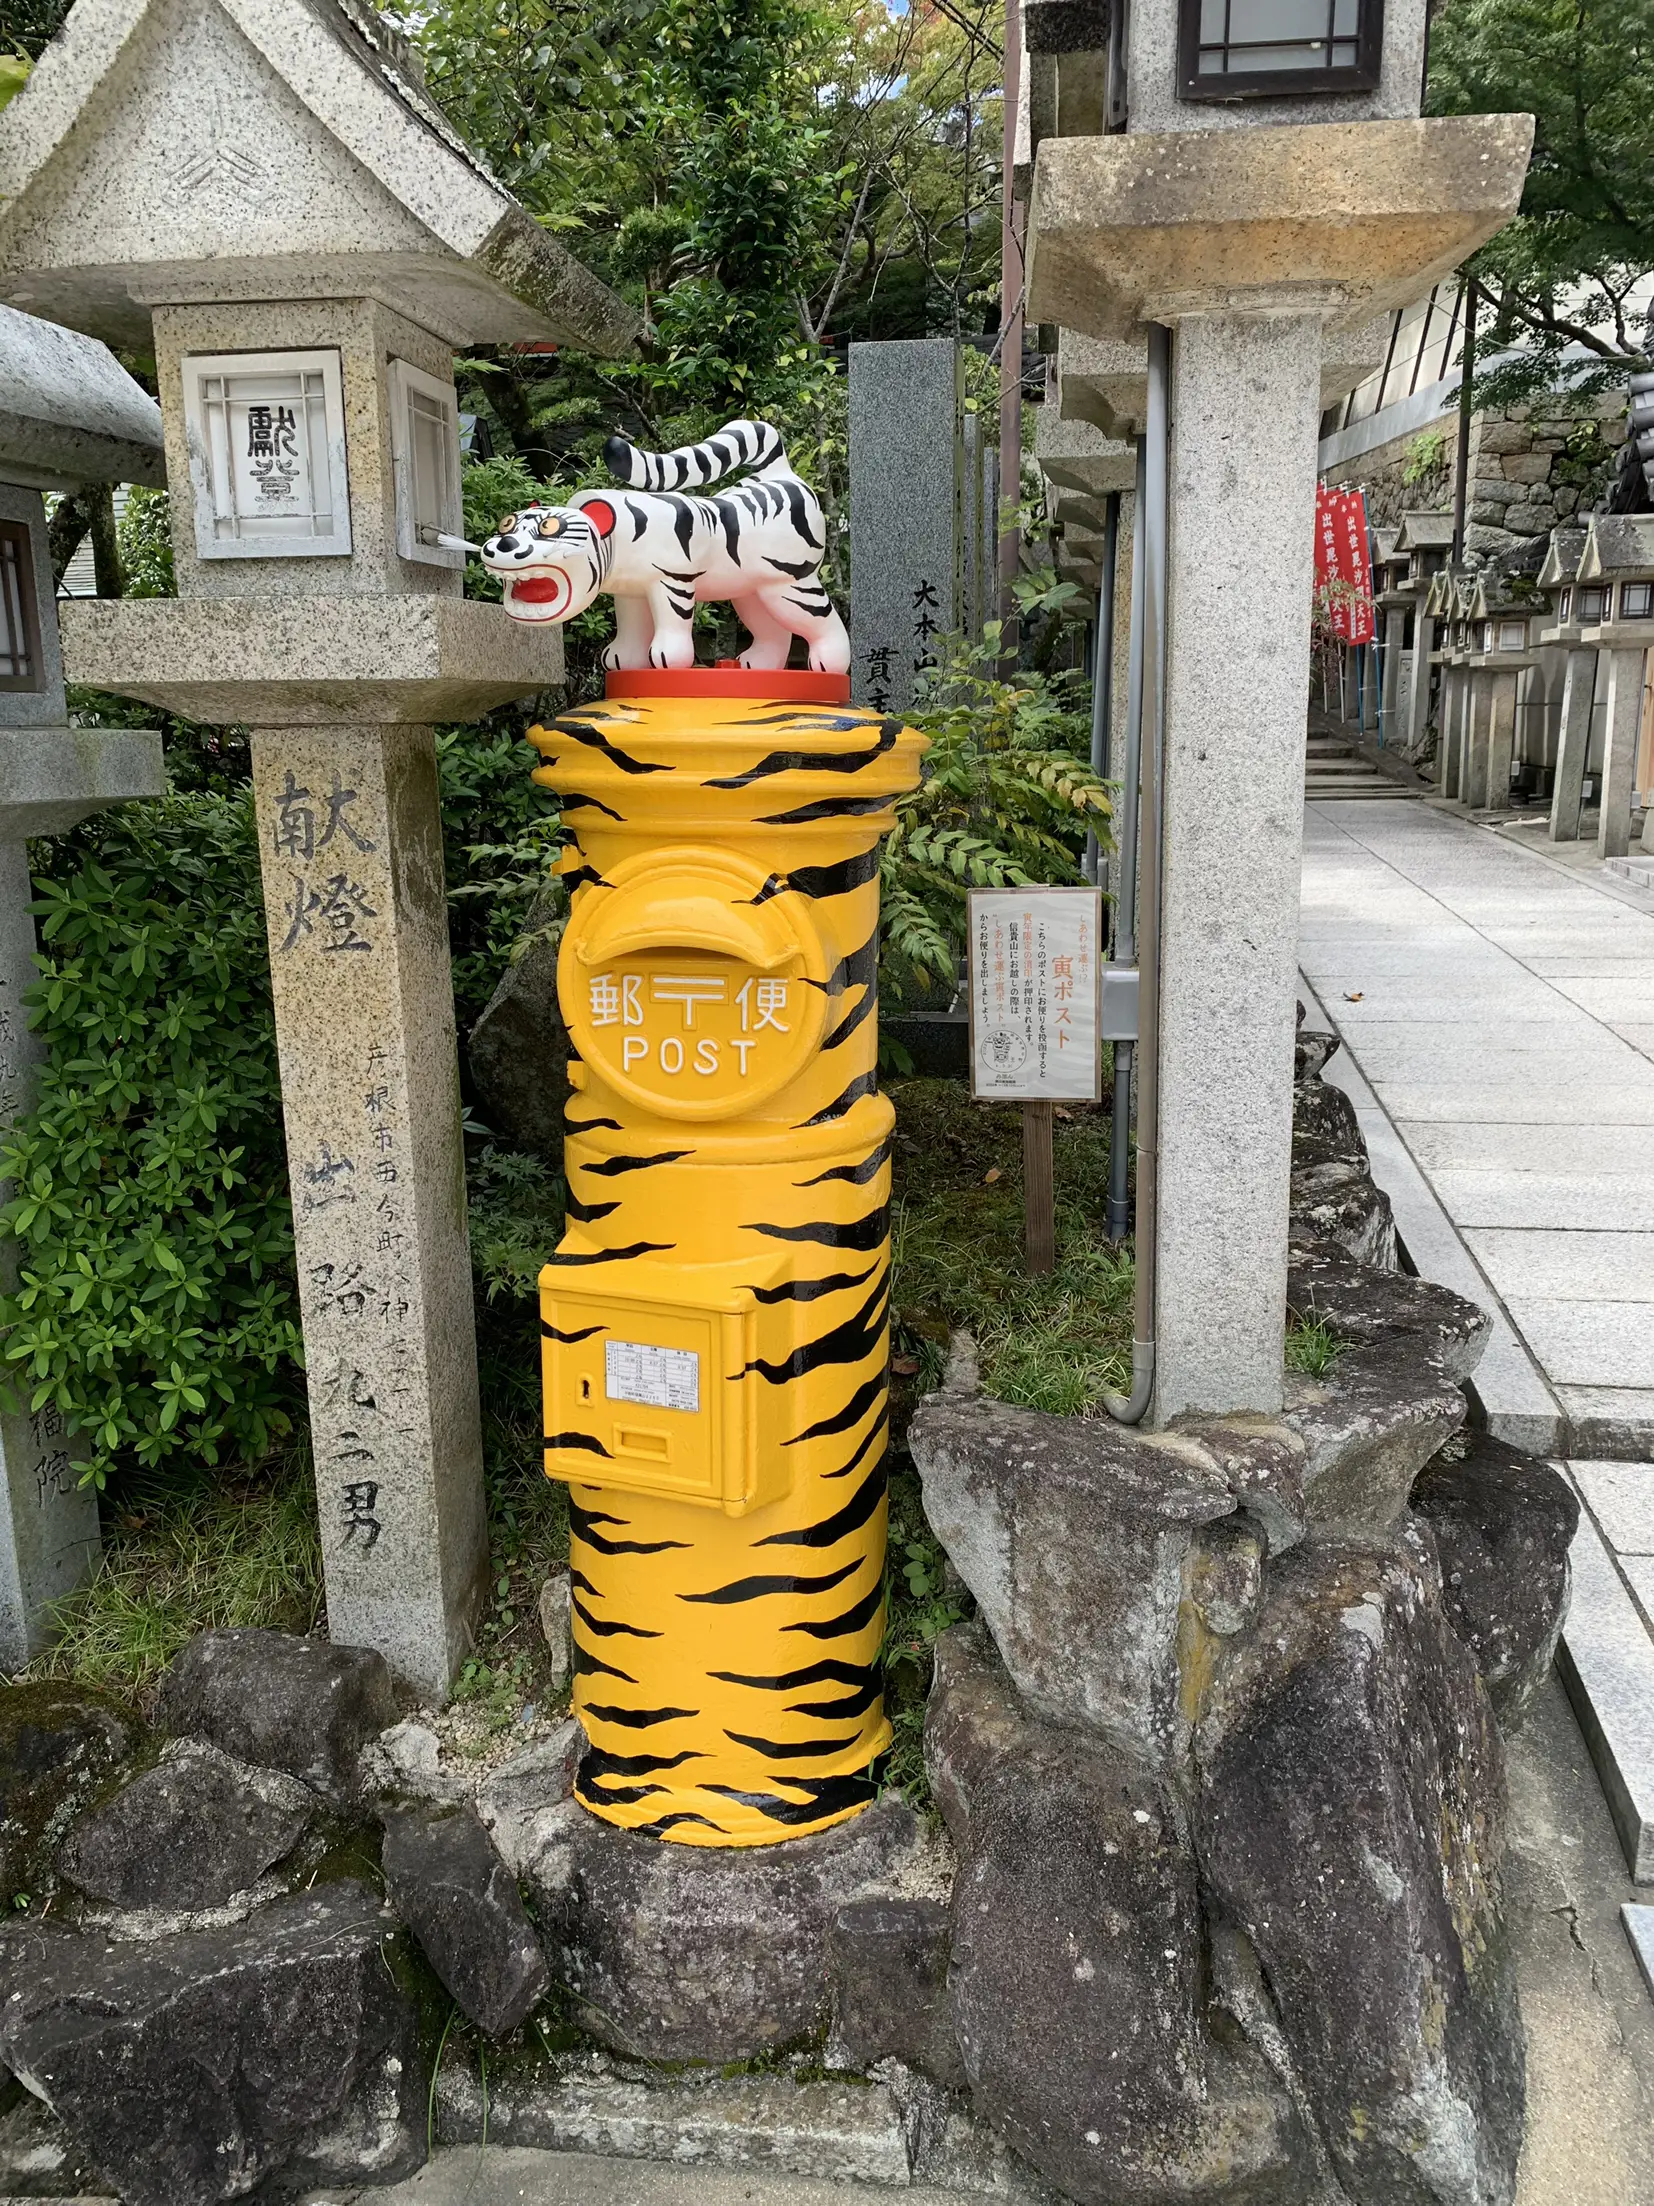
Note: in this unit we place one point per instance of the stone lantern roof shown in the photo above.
(1618, 545)
(69, 412)
(166, 152)
(1421, 531)
(1557, 578)
(1618, 562)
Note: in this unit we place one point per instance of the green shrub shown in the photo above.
(155, 1306)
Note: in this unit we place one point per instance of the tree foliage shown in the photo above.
(1564, 272)
(1007, 798)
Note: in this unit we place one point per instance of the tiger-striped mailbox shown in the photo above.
(716, 1318)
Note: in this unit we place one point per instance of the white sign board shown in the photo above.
(659, 1378)
(266, 437)
(1035, 982)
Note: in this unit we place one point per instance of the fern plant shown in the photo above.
(1007, 799)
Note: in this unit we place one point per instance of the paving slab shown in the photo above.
(1576, 1266)
(1598, 1344)
(1606, 1658)
(1620, 1496)
(508, 2175)
(1609, 1420)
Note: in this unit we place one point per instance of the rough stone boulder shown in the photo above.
(451, 1888)
(890, 1987)
(1078, 1973)
(676, 1952)
(1075, 1537)
(59, 1748)
(1392, 1397)
(1503, 1523)
(1334, 1194)
(521, 1802)
(189, 2069)
(300, 1705)
(1350, 1824)
(191, 1833)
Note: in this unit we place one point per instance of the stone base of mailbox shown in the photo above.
(1131, 228)
(51, 778)
(306, 662)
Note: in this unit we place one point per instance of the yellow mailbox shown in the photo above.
(716, 1319)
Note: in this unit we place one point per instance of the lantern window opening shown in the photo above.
(1513, 635)
(1592, 604)
(1565, 605)
(425, 452)
(267, 454)
(20, 657)
(1252, 49)
(1636, 600)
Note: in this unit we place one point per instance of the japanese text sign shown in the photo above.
(1343, 567)
(1035, 978)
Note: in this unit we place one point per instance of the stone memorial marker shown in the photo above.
(69, 415)
(277, 207)
(907, 514)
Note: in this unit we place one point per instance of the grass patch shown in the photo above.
(1311, 1345)
(1057, 1343)
(179, 1559)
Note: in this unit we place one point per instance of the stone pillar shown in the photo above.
(1449, 756)
(1245, 408)
(49, 1529)
(1475, 713)
(1418, 685)
(1501, 737)
(1573, 744)
(1619, 750)
(1390, 712)
(351, 849)
(906, 513)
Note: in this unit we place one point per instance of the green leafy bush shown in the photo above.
(1007, 797)
(154, 1306)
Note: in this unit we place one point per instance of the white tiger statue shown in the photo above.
(659, 553)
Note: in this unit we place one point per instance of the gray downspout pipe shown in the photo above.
(1117, 1214)
(1102, 674)
(1131, 1409)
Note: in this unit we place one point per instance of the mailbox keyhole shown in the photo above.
(585, 1390)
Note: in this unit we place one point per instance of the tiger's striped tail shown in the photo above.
(737, 445)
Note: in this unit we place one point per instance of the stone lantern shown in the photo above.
(1558, 579)
(276, 206)
(1268, 193)
(1497, 656)
(1614, 605)
(1426, 539)
(69, 415)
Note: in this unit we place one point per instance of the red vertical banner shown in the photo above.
(1343, 568)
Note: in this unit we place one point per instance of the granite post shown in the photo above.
(313, 460)
(1418, 679)
(907, 509)
(1245, 413)
(350, 844)
(1501, 737)
(1619, 750)
(1392, 712)
(1573, 743)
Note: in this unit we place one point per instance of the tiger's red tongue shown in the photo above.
(537, 589)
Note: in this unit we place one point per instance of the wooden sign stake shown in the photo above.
(1039, 1194)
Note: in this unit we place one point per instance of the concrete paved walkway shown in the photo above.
(1497, 1012)
(1501, 1010)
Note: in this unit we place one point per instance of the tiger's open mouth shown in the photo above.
(548, 592)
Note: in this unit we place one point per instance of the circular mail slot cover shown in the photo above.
(685, 981)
